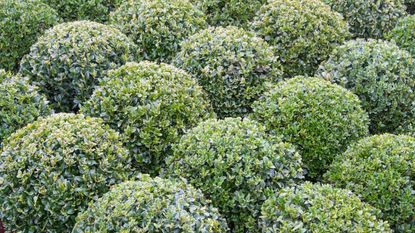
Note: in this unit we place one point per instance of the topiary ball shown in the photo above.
(319, 208)
(152, 105)
(236, 165)
(94, 10)
(303, 32)
(404, 34)
(20, 104)
(68, 61)
(158, 26)
(151, 205)
(232, 65)
(22, 22)
(229, 12)
(381, 74)
(318, 117)
(381, 170)
(51, 169)
(369, 18)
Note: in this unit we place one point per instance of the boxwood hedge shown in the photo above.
(404, 34)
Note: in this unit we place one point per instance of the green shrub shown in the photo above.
(67, 62)
(235, 164)
(20, 104)
(22, 22)
(410, 6)
(381, 74)
(381, 170)
(158, 26)
(404, 34)
(152, 105)
(369, 18)
(229, 12)
(94, 10)
(151, 205)
(232, 65)
(318, 117)
(51, 169)
(319, 208)
(303, 32)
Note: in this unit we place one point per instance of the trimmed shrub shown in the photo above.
(232, 65)
(303, 32)
(158, 26)
(51, 169)
(152, 105)
(94, 10)
(369, 18)
(381, 170)
(229, 12)
(151, 205)
(22, 22)
(67, 62)
(381, 74)
(404, 34)
(235, 164)
(318, 117)
(20, 104)
(319, 208)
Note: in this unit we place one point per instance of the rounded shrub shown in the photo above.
(381, 74)
(151, 205)
(381, 170)
(158, 26)
(67, 62)
(94, 10)
(20, 104)
(22, 22)
(369, 18)
(235, 164)
(318, 117)
(152, 105)
(51, 169)
(229, 12)
(404, 34)
(319, 208)
(232, 66)
(303, 32)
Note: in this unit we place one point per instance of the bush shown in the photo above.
(236, 164)
(158, 26)
(381, 75)
(319, 208)
(403, 34)
(226, 13)
(94, 10)
(381, 170)
(369, 18)
(410, 6)
(51, 169)
(318, 117)
(20, 104)
(303, 32)
(232, 65)
(152, 105)
(151, 205)
(67, 62)
(22, 22)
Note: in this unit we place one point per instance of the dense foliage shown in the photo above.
(369, 18)
(151, 205)
(381, 170)
(20, 104)
(303, 32)
(152, 105)
(232, 65)
(381, 74)
(319, 208)
(51, 169)
(404, 34)
(158, 26)
(318, 117)
(22, 22)
(68, 61)
(235, 164)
